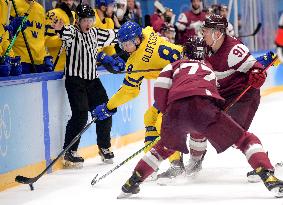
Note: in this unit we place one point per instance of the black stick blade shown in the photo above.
(93, 182)
(23, 180)
(257, 28)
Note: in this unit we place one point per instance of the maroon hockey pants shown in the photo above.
(200, 115)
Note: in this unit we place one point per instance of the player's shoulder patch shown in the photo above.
(237, 54)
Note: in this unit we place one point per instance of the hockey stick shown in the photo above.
(58, 56)
(24, 35)
(247, 88)
(258, 27)
(31, 181)
(111, 70)
(95, 180)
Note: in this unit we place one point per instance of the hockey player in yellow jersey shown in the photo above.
(147, 51)
(4, 39)
(52, 40)
(35, 37)
(103, 22)
(4, 35)
(9, 64)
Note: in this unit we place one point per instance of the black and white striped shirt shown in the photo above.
(81, 49)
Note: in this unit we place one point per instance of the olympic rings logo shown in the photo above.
(5, 129)
(126, 110)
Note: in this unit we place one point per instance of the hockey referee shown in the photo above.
(84, 88)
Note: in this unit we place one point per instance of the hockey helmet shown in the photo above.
(216, 22)
(99, 3)
(129, 31)
(84, 11)
(195, 48)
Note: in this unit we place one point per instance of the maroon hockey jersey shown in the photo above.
(193, 23)
(231, 64)
(182, 79)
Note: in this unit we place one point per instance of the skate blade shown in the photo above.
(165, 181)
(253, 178)
(107, 161)
(279, 165)
(277, 191)
(72, 165)
(124, 195)
(192, 174)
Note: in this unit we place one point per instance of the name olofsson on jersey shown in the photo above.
(149, 49)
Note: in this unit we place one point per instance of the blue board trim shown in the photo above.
(46, 124)
(30, 78)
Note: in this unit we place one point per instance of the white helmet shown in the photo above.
(120, 8)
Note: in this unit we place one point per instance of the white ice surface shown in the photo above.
(222, 180)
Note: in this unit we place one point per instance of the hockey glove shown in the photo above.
(48, 63)
(266, 59)
(101, 112)
(257, 78)
(16, 66)
(120, 63)
(5, 67)
(116, 64)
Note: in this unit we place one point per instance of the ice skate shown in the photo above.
(270, 181)
(106, 155)
(253, 177)
(72, 160)
(193, 167)
(176, 168)
(131, 186)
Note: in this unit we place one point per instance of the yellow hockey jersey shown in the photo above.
(52, 40)
(34, 32)
(109, 24)
(4, 35)
(153, 53)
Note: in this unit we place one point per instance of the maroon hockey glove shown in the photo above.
(256, 78)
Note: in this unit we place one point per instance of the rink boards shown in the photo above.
(34, 110)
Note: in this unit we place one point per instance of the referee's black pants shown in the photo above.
(85, 95)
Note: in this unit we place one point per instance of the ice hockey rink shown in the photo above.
(222, 180)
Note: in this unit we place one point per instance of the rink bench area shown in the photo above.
(34, 110)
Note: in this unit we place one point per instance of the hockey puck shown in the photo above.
(31, 187)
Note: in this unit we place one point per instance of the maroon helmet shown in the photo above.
(195, 48)
(216, 22)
